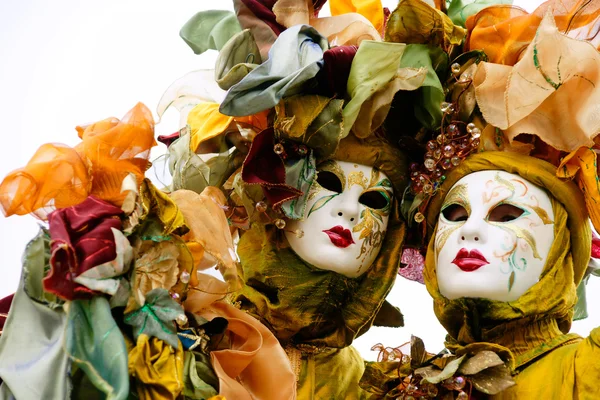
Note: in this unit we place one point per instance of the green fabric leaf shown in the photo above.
(493, 380)
(156, 317)
(416, 22)
(446, 373)
(299, 174)
(480, 361)
(374, 66)
(199, 378)
(381, 378)
(36, 266)
(460, 10)
(417, 351)
(96, 345)
(237, 58)
(313, 120)
(431, 94)
(210, 30)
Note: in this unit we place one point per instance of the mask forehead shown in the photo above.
(488, 251)
(485, 190)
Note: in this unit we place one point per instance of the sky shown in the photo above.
(71, 62)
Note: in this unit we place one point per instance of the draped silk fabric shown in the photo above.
(503, 32)
(254, 366)
(531, 332)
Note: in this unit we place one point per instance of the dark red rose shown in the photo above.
(81, 238)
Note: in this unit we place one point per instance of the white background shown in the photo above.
(70, 62)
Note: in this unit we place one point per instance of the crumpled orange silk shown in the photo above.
(157, 367)
(503, 32)
(256, 366)
(552, 92)
(58, 176)
(347, 29)
(209, 229)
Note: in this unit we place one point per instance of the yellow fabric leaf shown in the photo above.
(206, 122)
(158, 202)
(370, 9)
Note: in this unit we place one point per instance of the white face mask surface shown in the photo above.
(345, 220)
(493, 236)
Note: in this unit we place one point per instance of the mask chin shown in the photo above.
(345, 219)
(493, 237)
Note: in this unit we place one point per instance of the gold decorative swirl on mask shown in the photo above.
(357, 178)
(443, 234)
(520, 233)
(374, 177)
(458, 195)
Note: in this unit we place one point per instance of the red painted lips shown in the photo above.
(469, 260)
(339, 236)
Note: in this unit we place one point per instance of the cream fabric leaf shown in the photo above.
(553, 92)
(209, 227)
(188, 91)
(341, 30)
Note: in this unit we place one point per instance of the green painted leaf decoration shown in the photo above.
(156, 317)
(320, 203)
(511, 280)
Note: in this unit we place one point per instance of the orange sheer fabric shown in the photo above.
(503, 32)
(58, 176)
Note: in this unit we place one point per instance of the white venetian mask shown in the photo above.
(346, 218)
(493, 236)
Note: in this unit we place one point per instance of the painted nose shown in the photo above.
(473, 231)
(348, 210)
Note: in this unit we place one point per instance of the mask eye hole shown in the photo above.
(373, 199)
(505, 213)
(455, 213)
(329, 181)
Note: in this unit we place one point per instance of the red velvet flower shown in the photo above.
(265, 168)
(82, 238)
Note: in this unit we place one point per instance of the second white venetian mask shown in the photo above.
(493, 236)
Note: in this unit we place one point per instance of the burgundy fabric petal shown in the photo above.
(595, 246)
(263, 10)
(263, 167)
(168, 140)
(336, 70)
(5, 304)
(81, 239)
